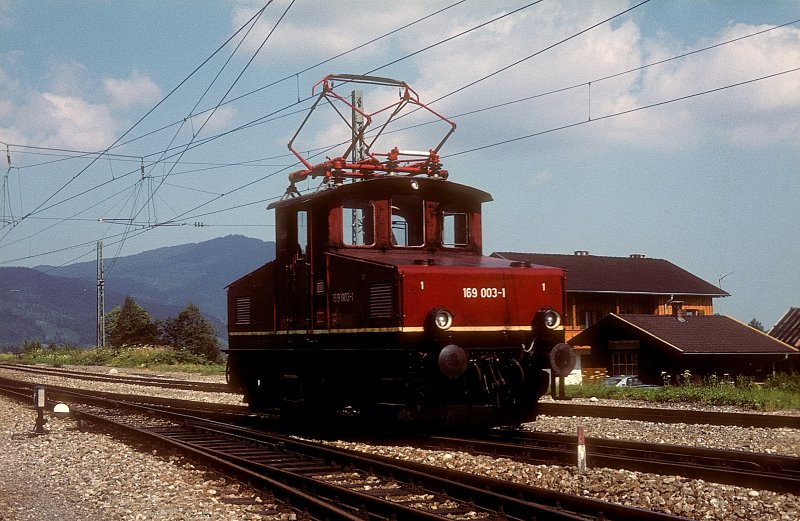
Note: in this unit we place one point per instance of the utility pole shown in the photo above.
(101, 305)
(357, 125)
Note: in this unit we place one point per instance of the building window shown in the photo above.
(625, 362)
(588, 318)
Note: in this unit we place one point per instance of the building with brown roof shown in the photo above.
(788, 328)
(599, 285)
(650, 346)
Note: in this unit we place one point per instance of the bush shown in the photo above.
(784, 382)
(159, 358)
(779, 392)
(151, 357)
(30, 346)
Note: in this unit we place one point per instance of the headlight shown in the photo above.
(552, 319)
(442, 319)
(547, 318)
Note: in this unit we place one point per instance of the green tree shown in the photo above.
(30, 346)
(130, 324)
(756, 324)
(190, 331)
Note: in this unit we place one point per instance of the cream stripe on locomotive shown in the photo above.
(465, 329)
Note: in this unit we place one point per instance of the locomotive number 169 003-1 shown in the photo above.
(484, 292)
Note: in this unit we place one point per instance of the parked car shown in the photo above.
(625, 381)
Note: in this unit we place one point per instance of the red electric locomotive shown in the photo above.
(379, 300)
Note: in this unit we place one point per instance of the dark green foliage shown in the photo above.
(129, 324)
(780, 391)
(192, 333)
(756, 324)
(160, 358)
(785, 382)
(30, 346)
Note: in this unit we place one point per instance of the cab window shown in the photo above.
(407, 221)
(358, 223)
(302, 233)
(455, 229)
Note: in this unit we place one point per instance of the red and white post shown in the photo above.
(581, 450)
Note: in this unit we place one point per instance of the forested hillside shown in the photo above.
(58, 304)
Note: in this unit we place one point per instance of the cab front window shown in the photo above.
(455, 229)
(407, 221)
(358, 223)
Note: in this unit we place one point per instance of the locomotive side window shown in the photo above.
(408, 221)
(302, 233)
(455, 229)
(358, 223)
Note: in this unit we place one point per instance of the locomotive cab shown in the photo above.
(367, 224)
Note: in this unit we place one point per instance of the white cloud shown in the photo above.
(136, 89)
(756, 114)
(64, 121)
(758, 109)
(73, 111)
(335, 27)
(220, 120)
(741, 114)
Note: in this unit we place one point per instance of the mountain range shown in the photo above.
(57, 304)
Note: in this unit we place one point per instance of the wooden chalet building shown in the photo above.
(676, 346)
(599, 285)
(788, 328)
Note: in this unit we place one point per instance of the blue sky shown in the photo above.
(708, 181)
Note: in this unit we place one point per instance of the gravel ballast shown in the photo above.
(68, 474)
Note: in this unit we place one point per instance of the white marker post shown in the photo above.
(581, 450)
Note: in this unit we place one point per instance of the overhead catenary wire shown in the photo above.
(595, 80)
(453, 37)
(222, 99)
(623, 112)
(76, 154)
(296, 75)
(186, 147)
(460, 152)
(81, 171)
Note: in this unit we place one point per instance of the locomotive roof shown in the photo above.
(425, 259)
(383, 186)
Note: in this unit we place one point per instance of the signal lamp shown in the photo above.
(40, 402)
(61, 410)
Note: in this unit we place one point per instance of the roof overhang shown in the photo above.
(670, 294)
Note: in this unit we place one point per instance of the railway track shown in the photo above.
(666, 415)
(150, 381)
(660, 415)
(753, 470)
(220, 411)
(327, 483)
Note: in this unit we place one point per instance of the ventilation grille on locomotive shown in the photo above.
(243, 310)
(380, 300)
